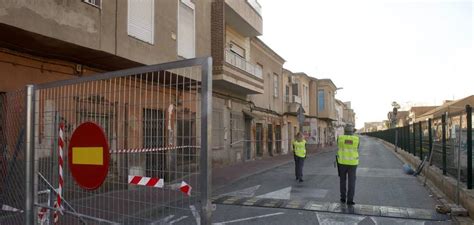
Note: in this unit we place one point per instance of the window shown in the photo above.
(259, 70)
(186, 29)
(141, 15)
(287, 93)
(235, 48)
(278, 138)
(321, 100)
(96, 3)
(295, 89)
(218, 130)
(305, 95)
(275, 85)
(236, 129)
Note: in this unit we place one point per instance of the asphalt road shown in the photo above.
(380, 182)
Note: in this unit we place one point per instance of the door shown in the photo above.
(270, 139)
(248, 146)
(278, 139)
(290, 137)
(259, 139)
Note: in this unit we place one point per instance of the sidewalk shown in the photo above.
(227, 175)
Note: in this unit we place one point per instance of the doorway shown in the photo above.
(259, 139)
(248, 143)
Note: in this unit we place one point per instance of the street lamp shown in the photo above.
(393, 121)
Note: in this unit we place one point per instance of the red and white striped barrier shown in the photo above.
(41, 215)
(56, 213)
(142, 150)
(57, 204)
(146, 181)
(185, 188)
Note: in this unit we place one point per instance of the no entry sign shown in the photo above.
(88, 156)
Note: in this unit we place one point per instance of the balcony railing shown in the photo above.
(296, 99)
(256, 6)
(242, 64)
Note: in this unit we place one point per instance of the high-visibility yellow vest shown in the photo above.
(299, 148)
(348, 150)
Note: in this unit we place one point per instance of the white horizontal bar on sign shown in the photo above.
(143, 150)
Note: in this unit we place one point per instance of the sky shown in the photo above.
(414, 52)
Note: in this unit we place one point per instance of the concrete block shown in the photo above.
(458, 210)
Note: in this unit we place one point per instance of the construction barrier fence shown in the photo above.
(123, 147)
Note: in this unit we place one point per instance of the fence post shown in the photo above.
(469, 145)
(430, 138)
(206, 140)
(29, 156)
(443, 130)
(408, 138)
(420, 133)
(414, 140)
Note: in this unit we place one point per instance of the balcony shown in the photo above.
(239, 62)
(256, 6)
(294, 104)
(244, 16)
(296, 99)
(239, 76)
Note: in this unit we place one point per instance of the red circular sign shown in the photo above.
(88, 156)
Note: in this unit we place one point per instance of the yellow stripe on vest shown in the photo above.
(87, 156)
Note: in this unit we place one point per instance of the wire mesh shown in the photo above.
(152, 122)
(456, 142)
(12, 160)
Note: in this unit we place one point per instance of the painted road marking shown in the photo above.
(247, 192)
(249, 218)
(336, 219)
(284, 193)
(250, 201)
(177, 220)
(359, 209)
(308, 193)
(382, 221)
(195, 214)
(162, 221)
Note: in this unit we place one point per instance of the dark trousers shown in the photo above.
(347, 172)
(299, 163)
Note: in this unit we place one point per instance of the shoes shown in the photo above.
(351, 203)
(343, 201)
(300, 180)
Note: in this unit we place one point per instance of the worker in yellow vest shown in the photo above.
(299, 150)
(347, 161)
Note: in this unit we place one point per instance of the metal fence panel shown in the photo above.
(157, 124)
(12, 159)
(449, 143)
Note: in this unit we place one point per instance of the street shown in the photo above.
(380, 182)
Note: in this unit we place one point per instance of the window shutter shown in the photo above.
(141, 19)
(186, 31)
